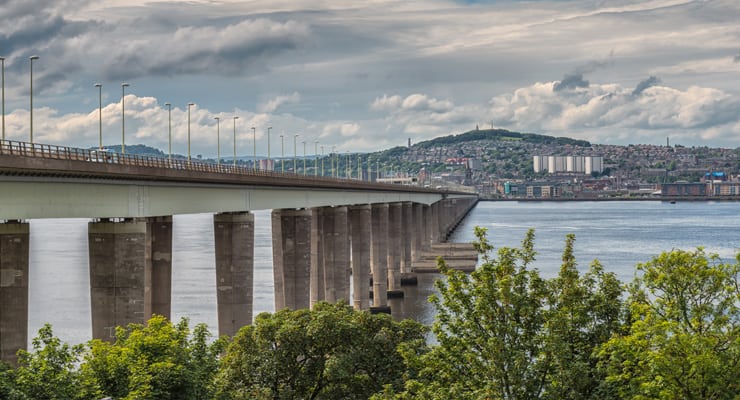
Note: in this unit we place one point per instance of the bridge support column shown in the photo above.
(130, 272)
(336, 254)
(361, 236)
(434, 222)
(14, 253)
(291, 254)
(234, 243)
(407, 230)
(426, 212)
(317, 292)
(417, 231)
(379, 256)
(394, 249)
(407, 233)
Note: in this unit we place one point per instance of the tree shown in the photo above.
(158, 360)
(330, 352)
(48, 372)
(504, 332)
(684, 336)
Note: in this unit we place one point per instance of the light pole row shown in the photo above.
(124, 85)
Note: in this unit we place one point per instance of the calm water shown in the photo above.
(619, 234)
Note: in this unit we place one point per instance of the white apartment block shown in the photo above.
(572, 164)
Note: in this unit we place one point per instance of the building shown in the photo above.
(568, 164)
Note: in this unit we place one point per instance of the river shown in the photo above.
(619, 234)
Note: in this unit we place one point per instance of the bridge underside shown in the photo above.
(72, 199)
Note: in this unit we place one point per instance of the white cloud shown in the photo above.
(273, 104)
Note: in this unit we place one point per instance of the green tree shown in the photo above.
(7, 382)
(504, 332)
(330, 352)
(584, 312)
(49, 371)
(684, 337)
(158, 360)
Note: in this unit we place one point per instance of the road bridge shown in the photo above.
(326, 232)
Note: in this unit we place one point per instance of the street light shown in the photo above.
(100, 115)
(268, 148)
(333, 160)
(282, 154)
(295, 154)
(31, 61)
(304, 157)
(322, 161)
(218, 140)
(2, 60)
(189, 105)
(235, 118)
(169, 130)
(316, 158)
(254, 148)
(123, 118)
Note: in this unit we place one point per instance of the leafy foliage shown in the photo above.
(330, 352)
(49, 371)
(154, 361)
(506, 333)
(684, 339)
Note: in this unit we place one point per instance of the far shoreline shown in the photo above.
(654, 198)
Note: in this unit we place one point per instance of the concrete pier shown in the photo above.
(234, 245)
(14, 253)
(426, 225)
(416, 231)
(317, 256)
(394, 249)
(291, 250)
(361, 236)
(406, 234)
(379, 256)
(130, 272)
(335, 239)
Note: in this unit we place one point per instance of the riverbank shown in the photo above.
(651, 198)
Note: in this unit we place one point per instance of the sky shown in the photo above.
(361, 76)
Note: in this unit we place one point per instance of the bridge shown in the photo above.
(328, 233)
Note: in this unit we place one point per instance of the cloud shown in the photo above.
(222, 50)
(272, 105)
(570, 81)
(603, 109)
(649, 82)
(736, 58)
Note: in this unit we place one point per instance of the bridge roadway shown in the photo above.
(326, 232)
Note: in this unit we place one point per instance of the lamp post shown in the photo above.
(254, 148)
(189, 105)
(333, 161)
(359, 167)
(31, 114)
(268, 148)
(295, 154)
(218, 140)
(100, 115)
(349, 165)
(169, 131)
(282, 154)
(2, 60)
(235, 118)
(322, 161)
(304, 157)
(316, 158)
(123, 117)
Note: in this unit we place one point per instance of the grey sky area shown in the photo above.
(367, 75)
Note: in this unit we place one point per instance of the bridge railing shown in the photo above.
(47, 151)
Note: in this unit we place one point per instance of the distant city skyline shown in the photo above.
(365, 76)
